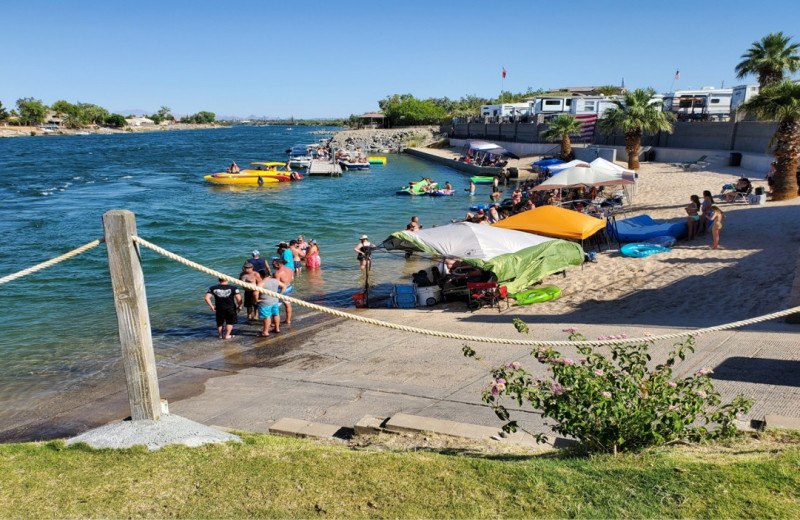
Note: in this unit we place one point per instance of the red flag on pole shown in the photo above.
(504, 73)
(677, 74)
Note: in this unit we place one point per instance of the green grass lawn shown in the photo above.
(275, 477)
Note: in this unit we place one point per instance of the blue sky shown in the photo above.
(307, 59)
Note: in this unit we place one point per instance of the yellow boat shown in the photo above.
(377, 160)
(262, 173)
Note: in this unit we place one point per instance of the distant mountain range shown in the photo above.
(138, 112)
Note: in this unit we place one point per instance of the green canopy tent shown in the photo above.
(517, 259)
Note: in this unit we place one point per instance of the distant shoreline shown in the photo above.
(35, 131)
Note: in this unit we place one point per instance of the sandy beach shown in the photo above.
(336, 371)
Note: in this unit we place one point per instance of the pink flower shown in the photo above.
(623, 336)
(672, 385)
(705, 371)
(570, 329)
(599, 372)
(701, 394)
(602, 338)
(556, 389)
(673, 408)
(515, 364)
(607, 395)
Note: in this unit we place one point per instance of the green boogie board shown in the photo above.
(542, 294)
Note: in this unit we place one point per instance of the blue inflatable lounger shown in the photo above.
(641, 228)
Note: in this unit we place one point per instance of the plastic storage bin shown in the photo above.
(360, 300)
(405, 301)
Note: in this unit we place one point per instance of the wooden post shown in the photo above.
(133, 320)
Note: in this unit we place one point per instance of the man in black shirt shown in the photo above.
(227, 303)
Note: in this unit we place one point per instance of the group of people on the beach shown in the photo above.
(704, 214)
(276, 276)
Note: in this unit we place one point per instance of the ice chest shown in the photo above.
(429, 295)
(404, 289)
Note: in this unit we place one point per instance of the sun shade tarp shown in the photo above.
(581, 176)
(553, 221)
(517, 259)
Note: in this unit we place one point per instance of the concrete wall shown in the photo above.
(687, 142)
(752, 136)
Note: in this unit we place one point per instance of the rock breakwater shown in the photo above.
(387, 140)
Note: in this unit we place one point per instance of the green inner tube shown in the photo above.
(541, 294)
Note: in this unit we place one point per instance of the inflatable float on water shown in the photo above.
(541, 294)
(482, 180)
(642, 250)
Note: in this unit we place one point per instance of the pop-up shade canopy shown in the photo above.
(518, 259)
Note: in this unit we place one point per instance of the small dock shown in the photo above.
(329, 168)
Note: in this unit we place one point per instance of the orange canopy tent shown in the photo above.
(553, 221)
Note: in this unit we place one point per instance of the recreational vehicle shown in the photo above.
(507, 110)
(706, 104)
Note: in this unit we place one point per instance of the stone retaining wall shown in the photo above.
(386, 140)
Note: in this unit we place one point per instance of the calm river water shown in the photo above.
(59, 328)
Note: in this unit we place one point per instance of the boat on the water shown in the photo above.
(377, 160)
(301, 155)
(349, 165)
(262, 173)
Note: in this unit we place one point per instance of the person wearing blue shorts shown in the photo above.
(269, 309)
(284, 275)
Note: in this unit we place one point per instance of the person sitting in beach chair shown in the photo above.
(740, 191)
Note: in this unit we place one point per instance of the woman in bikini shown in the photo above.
(693, 212)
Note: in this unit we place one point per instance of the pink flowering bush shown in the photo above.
(613, 403)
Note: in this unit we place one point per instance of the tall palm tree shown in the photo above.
(638, 112)
(769, 59)
(561, 127)
(781, 102)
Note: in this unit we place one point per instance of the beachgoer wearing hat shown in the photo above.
(227, 302)
(250, 275)
(364, 250)
(259, 264)
(286, 276)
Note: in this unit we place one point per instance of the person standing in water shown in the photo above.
(226, 305)
(364, 250)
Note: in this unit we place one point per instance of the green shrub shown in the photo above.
(617, 403)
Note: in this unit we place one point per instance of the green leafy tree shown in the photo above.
(3, 113)
(412, 111)
(561, 127)
(781, 102)
(115, 121)
(608, 90)
(157, 119)
(89, 113)
(769, 59)
(634, 115)
(164, 113)
(32, 112)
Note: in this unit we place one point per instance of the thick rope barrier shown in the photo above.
(449, 335)
(52, 262)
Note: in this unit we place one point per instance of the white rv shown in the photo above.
(509, 110)
(741, 94)
(706, 104)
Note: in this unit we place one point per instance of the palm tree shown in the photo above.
(561, 127)
(769, 59)
(638, 112)
(781, 102)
